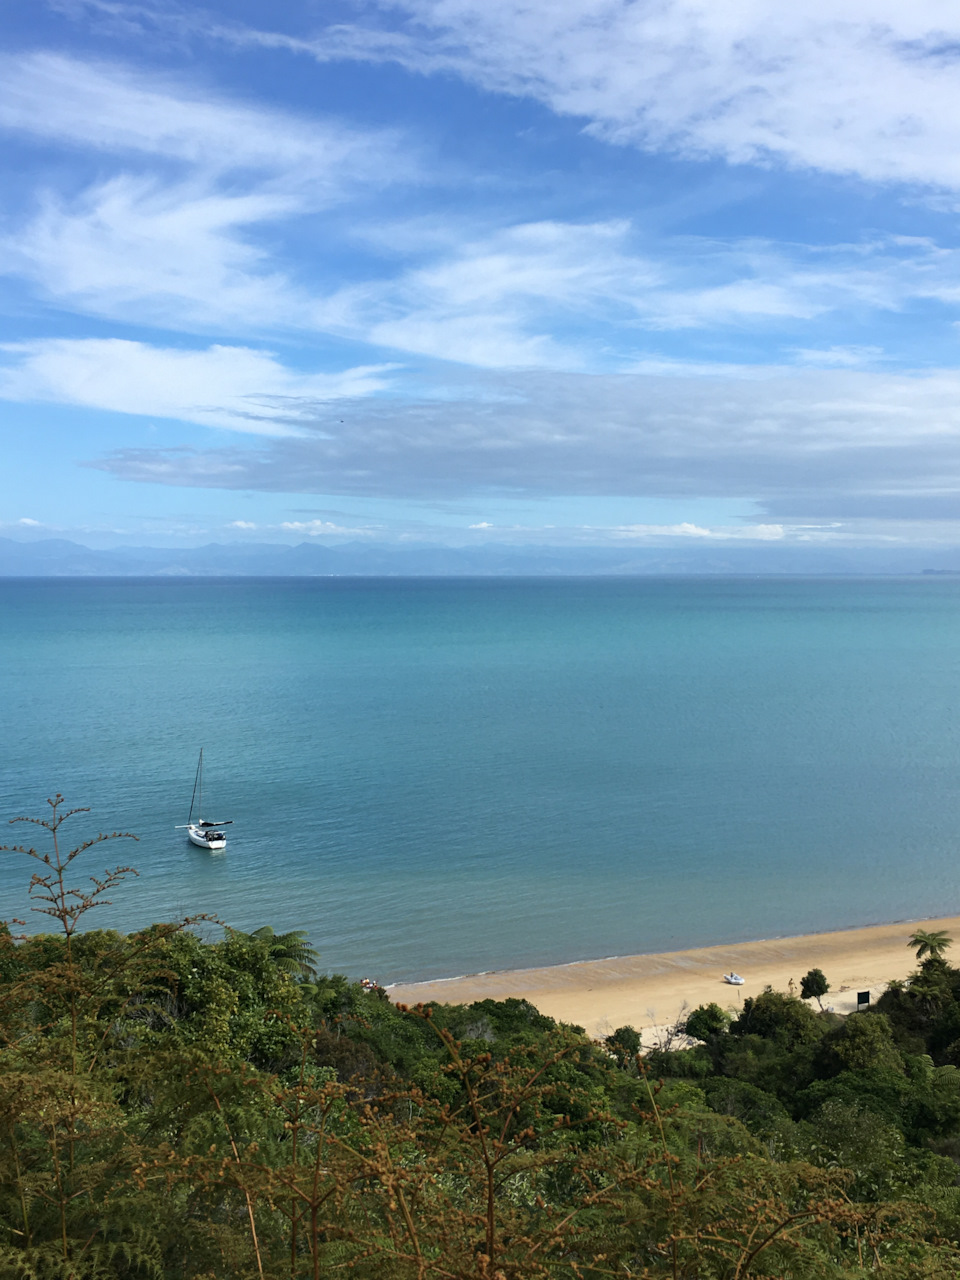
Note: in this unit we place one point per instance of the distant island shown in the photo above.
(57, 557)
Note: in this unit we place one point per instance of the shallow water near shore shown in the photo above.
(436, 777)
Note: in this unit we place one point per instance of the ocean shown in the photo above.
(435, 777)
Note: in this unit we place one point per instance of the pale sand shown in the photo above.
(651, 990)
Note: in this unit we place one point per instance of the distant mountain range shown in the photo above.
(57, 557)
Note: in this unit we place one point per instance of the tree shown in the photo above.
(624, 1044)
(290, 951)
(864, 1043)
(782, 1019)
(707, 1021)
(931, 943)
(814, 986)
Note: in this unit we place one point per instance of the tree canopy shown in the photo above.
(931, 943)
(814, 986)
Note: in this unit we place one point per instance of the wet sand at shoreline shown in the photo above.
(652, 990)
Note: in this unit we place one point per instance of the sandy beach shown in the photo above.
(649, 991)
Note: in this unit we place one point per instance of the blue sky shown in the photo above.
(585, 271)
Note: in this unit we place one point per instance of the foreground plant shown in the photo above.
(66, 1146)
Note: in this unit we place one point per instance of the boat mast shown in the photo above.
(197, 790)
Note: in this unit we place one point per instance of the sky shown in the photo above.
(650, 272)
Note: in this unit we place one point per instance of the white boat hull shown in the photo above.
(206, 839)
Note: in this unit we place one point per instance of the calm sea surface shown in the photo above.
(437, 777)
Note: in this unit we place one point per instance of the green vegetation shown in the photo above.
(173, 1107)
(814, 986)
(932, 944)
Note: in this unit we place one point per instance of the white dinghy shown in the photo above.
(734, 979)
(203, 832)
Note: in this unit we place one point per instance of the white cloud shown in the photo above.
(234, 387)
(318, 528)
(684, 530)
(754, 532)
(865, 87)
(838, 357)
(110, 107)
(312, 528)
(134, 247)
(492, 301)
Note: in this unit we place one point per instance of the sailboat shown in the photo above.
(202, 832)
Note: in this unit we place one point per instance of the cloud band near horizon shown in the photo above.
(833, 442)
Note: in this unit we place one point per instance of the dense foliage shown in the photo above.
(172, 1106)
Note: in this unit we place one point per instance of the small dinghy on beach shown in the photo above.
(204, 833)
(734, 979)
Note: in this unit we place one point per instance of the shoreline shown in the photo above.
(649, 990)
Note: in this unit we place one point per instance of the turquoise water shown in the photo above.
(436, 777)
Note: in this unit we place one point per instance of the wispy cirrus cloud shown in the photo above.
(136, 248)
(844, 87)
(868, 89)
(170, 237)
(562, 295)
(546, 294)
(195, 248)
(233, 387)
(111, 107)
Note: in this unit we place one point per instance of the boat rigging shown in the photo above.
(203, 832)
